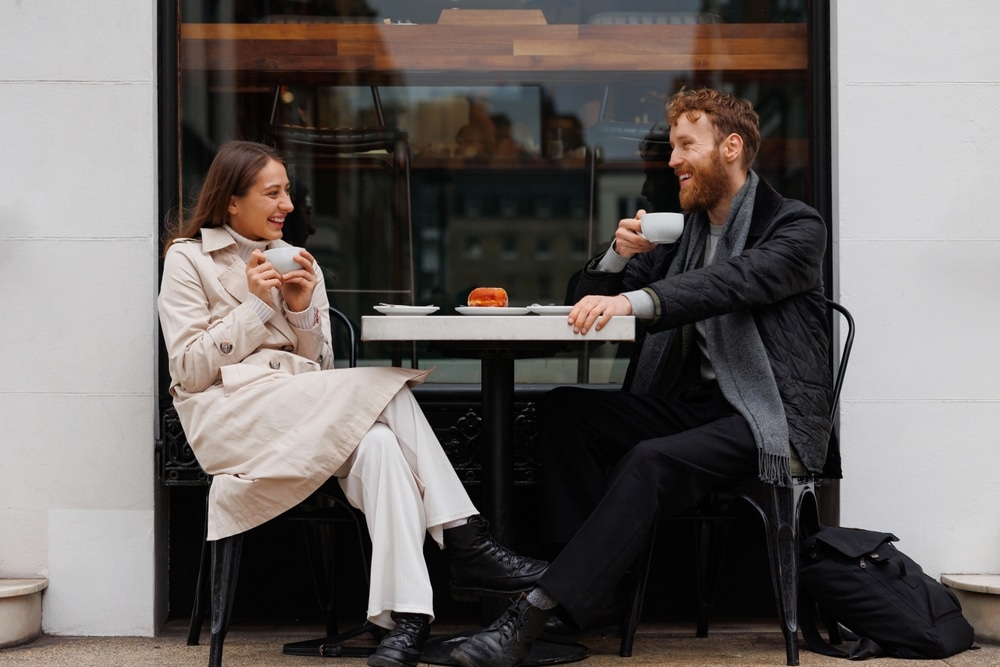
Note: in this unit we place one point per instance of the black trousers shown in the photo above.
(611, 462)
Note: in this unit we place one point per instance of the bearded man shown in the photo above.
(730, 378)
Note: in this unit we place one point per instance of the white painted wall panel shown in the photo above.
(100, 573)
(905, 41)
(78, 262)
(916, 88)
(922, 469)
(78, 155)
(94, 330)
(81, 445)
(54, 40)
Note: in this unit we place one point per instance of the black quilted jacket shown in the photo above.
(779, 277)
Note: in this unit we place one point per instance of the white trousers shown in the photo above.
(400, 477)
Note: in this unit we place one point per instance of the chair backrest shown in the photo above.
(353, 340)
(845, 352)
(343, 141)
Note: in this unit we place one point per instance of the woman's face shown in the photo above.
(259, 215)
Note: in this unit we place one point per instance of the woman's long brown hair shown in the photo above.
(231, 174)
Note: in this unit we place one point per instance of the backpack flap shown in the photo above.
(854, 542)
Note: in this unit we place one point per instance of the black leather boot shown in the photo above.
(404, 644)
(507, 641)
(482, 566)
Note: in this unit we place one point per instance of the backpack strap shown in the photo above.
(861, 649)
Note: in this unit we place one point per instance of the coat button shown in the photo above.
(274, 363)
(226, 347)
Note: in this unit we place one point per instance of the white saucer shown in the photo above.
(387, 309)
(550, 310)
(491, 310)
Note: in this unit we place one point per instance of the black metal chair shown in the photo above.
(783, 511)
(220, 559)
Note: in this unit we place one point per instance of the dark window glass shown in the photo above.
(523, 132)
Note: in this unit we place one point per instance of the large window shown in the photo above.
(529, 129)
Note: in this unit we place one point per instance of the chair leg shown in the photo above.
(200, 597)
(225, 568)
(638, 594)
(321, 542)
(321, 550)
(782, 549)
(710, 550)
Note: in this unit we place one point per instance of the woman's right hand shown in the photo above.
(261, 277)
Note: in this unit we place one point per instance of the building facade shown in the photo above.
(912, 90)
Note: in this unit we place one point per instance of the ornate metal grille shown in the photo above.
(456, 420)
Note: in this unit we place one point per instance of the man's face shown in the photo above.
(697, 160)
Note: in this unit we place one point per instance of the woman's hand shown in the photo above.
(297, 286)
(261, 277)
(628, 239)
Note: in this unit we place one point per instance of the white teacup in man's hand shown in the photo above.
(282, 258)
(662, 227)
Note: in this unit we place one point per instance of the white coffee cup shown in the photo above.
(662, 227)
(281, 258)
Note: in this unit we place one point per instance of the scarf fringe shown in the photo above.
(774, 468)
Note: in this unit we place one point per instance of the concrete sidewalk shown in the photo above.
(740, 645)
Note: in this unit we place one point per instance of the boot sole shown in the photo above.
(463, 659)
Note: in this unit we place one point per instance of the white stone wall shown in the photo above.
(916, 102)
(77, 343)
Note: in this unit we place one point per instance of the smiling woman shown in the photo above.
(250, 356)
(260, 213)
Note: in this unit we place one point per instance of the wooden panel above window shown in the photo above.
(276, 51)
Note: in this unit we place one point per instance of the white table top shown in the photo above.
(489, 328)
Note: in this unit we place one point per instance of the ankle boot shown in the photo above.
(482, 566)
(507, 642)
(404, 644)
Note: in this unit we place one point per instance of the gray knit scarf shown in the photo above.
(739, 359)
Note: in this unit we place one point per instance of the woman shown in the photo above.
(252, 378)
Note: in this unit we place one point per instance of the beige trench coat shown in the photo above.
(261, 405)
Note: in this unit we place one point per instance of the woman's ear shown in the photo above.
(233, 208)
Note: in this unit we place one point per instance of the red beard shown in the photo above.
(709, 185)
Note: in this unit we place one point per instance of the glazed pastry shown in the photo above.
(490, 297)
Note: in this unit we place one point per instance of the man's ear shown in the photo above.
(732, 147)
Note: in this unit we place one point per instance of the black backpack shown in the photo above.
(859, 580)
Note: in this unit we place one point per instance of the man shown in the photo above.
(730, 380)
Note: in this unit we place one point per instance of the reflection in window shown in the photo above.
(429, 11)
(543, 248)
(473, 247)
(517, 175)
(508, 247)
